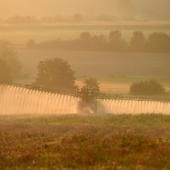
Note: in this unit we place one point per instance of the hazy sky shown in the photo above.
(154, 9)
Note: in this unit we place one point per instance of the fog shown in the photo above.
(134, 9)
(82, 32)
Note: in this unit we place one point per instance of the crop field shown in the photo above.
(94, 142)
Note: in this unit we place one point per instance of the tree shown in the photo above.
(5, 72)
(89, 42)
(91, 86)
(159, 42)
(55, 75)
(151, 87)
(138, 41)
(9, 56)
(116, 41)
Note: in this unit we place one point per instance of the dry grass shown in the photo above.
(85, 142)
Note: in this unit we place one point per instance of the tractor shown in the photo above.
(87, 102)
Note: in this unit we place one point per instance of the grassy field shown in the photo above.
(96, 142)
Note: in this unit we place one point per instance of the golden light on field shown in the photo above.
(84, 77)
(118, 41)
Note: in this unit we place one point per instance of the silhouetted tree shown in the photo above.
(8, 54)
(5, 73)
(85, 41)
(98, 42)
(151, 87)
(116, 42)
(92, 86)
(159, 42)
(138, 42)
(55, 75)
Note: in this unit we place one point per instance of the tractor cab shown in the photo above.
(88, 102)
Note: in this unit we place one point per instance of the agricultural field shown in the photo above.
(103, 65)
(93, 142)
(115, 71)
(85, 85)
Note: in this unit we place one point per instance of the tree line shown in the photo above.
(77, 17)
(53, 75)
(56, 75)
(155, 42)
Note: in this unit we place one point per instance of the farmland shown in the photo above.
(116, 71)
(96, 142)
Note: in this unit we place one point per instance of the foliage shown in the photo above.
(55, 75)
(90, 89)
(116, 41)
(151, 87)
(138, 42)
(5, 73)
(93, 85)
(8, 54)
(89, 42)
(155, 42)
(159, 42)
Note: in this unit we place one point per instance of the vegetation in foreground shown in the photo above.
(85, 142)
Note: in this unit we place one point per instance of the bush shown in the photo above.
(55, 75)
(151, 87)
